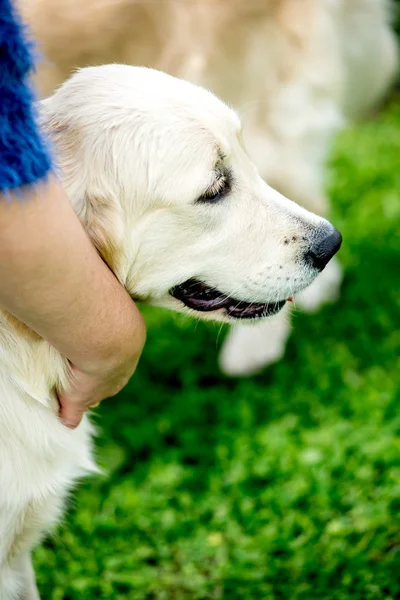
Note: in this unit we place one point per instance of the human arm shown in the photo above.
(54, 281)
(51, 277)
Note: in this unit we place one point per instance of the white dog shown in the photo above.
(296, 69)
(157, 172)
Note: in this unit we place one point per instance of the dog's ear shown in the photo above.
(87, 184)
(103, 221)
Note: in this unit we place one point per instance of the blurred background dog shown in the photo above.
(297, 71)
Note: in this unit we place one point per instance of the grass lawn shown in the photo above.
(282, 486)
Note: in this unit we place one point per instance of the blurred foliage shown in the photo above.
(286, 485)
(397, 16)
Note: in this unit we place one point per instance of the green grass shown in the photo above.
(282, 486)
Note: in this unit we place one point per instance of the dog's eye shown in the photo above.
(217, 191)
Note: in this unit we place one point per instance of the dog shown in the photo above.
(298, 70)
(156, 170)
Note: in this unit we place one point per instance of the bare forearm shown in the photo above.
(53, 280)
(51, 277)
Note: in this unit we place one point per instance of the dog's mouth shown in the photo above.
(198, 296)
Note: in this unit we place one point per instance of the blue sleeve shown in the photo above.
(24, 157)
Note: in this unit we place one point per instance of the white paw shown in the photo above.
(324, 290)
(249, 348)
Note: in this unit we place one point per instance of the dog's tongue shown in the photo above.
(290, 299)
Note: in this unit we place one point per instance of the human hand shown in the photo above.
(87, 388)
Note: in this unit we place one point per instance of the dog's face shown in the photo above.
(157, 172)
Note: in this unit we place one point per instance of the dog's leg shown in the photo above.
(17, 579)
(249, 348)
(325, 289)
(29, 590)
(21, 530)
(9, 584)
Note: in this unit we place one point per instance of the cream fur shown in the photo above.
(136, 149)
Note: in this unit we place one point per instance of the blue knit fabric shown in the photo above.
(24, 157)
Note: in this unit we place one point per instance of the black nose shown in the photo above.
(323, 247)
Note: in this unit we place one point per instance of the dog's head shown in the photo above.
(157, 172)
